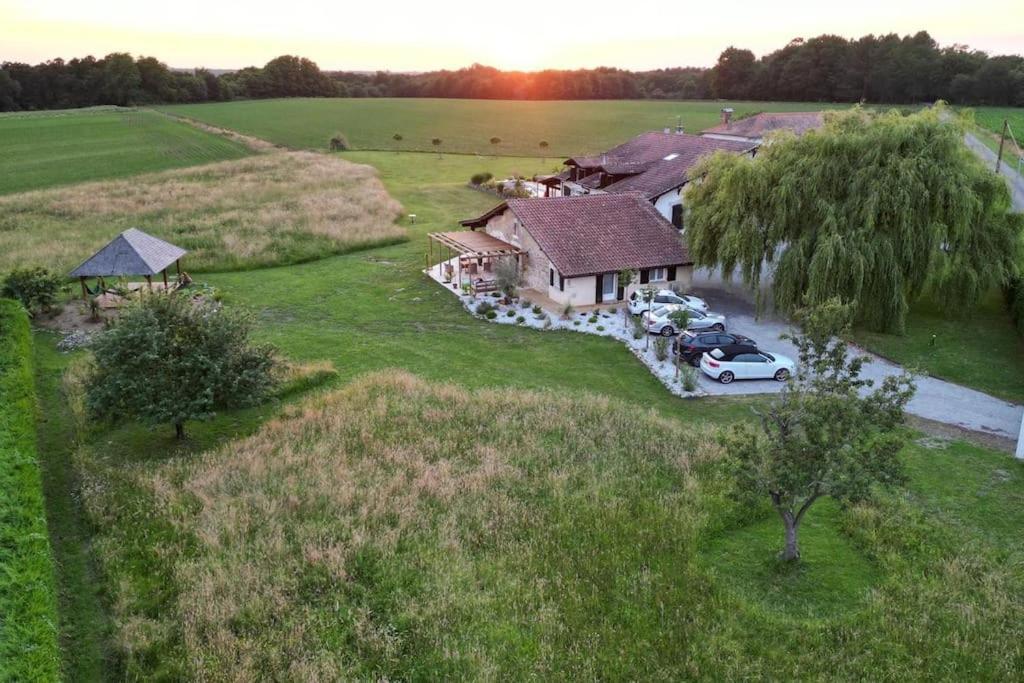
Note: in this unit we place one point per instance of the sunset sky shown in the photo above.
(416, 36)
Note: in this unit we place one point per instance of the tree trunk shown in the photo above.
(179, 430)
(792, 549)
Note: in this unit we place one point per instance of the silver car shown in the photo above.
(657, 321)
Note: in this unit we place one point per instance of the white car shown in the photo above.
(741, 361)
(657, 320)
(637, 305)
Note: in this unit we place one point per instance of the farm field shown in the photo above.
(466, 126)
(989, 122)
(262, 210)
(47, 149)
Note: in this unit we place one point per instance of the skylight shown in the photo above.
(670, 157)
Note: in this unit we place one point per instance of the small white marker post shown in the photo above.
(1020, 441)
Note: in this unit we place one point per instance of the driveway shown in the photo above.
(1013, 179)
(935, 399)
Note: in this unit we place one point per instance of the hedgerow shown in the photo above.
(28, 608)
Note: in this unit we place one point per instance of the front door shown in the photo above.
(608, 287)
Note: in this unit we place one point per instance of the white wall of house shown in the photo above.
(665, 202)
(579, 291)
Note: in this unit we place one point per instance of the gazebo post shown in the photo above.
(85, 291)
(149, 279)
(165, 279)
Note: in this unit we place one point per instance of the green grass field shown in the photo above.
(46, 149)
(465, 126)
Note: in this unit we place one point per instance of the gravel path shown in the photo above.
(1013, 178)
(935, 399)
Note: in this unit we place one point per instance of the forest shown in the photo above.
(826, 68)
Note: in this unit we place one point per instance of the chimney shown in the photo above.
(679, 125)
(726, 115)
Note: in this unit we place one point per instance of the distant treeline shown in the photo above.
(878, 69)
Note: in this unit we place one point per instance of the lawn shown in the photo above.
(47, 149)
(466, 126)
(982, 350)
(395, 528)
(262, 210)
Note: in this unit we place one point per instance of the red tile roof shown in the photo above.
(635, 154)
(598, 233)
(758, 125)
(669, 173)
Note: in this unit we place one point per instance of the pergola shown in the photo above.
(478, 249)
(133, 252)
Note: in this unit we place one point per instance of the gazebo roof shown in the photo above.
(133, 252)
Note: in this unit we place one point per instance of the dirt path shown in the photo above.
(1013, 179)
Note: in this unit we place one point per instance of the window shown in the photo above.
(515, 228)
(749, 358)
(551, 279)
(670, 157)
(565, 190)
(662, 299)
(561, 283)
(657, 274)
(677, 216)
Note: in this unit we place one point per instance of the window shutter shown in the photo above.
(671, 273)
(598, 291)
(551, 273)
(677, 216)
(645, 276)
(561, 283)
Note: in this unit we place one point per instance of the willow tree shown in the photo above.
(875, 208)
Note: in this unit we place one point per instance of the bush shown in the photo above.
(688, 377)
(397, 137)
(600, 328)
(339, 143)
(484, 307)
(661, 348)
(576, 322)
(511, 313)
(1014, 292)
(491, 314)
(537, 310)
(480, 178)
(526, 303)
(592, 319)
(520, 319)
(36, 288)
(28, 605)
(638, 327)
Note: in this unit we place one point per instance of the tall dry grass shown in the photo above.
(263, 210)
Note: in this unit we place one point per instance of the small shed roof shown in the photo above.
(133, 252)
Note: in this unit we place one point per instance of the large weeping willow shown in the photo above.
(875, 209)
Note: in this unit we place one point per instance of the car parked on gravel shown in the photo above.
(742, 361)
(637, 305)
(658, 321)
(691, 344)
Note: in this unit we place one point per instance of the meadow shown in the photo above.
(262, 210)
(47, 149)
(466, 126)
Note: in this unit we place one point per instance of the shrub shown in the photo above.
(600, 328)
(511, 313)
(537, 310)
(661, 348)
(495, 294)
(520, 319)
(688, 377)
(491, 314)
(480, 178)
(28, 604)
(484, 307)
(339, 143)
(576, 322)
(36, 288)
(397, 137)
(526, 303)
(170, 359)
(592, 319)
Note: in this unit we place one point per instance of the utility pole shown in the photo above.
(1002, 141)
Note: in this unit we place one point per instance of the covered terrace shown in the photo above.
(471, 257)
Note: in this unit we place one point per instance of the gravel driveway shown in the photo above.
(1008, 170)
(935, 399)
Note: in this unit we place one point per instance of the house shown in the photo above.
(753, 129)
(654, 164)
(571, 249)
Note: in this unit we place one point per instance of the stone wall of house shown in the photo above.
(535, 263)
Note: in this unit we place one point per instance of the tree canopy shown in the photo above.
(828, 433)
(875, 208)
(169, 359)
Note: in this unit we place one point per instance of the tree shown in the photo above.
(338, 143)
(826, 434)
(734, 73)
(436, 142)
(495, 140)
(121, 83)
(507, 275)
(10, 92)
(876, 209)
(627, 276)
(169, 359)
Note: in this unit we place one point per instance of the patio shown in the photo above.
(471, 259)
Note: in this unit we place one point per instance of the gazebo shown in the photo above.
(475, 255)
(133, 252)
